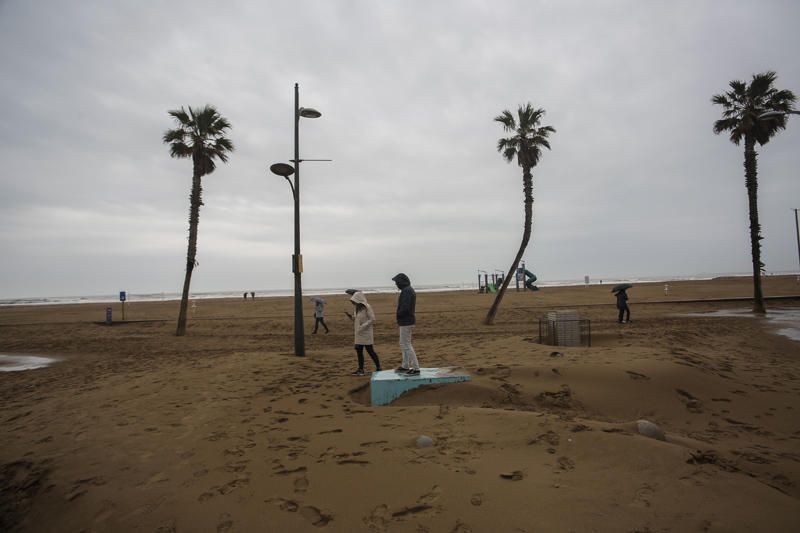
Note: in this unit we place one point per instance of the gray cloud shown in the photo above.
(636, 184)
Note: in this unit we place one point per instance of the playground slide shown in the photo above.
(530, 279)
(492, 288)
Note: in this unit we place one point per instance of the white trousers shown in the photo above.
(409, 355)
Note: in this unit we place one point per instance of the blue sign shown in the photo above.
(122, 296)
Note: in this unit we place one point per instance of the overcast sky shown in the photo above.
(636, 184)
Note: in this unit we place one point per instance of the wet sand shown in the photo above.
(226, 430)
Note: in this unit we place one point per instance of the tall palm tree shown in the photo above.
(526, 143)
(743, 105)
(200, 135)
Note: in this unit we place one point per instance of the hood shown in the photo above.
(359, 298)
(402, 280)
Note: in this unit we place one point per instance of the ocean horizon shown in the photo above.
(272, 293)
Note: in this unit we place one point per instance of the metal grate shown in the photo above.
(565, 328)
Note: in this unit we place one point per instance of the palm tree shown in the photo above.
(526, 145)
(743, 105)
(200, 135)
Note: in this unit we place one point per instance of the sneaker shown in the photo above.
(401, 370)
(413, 372)
(358, 372)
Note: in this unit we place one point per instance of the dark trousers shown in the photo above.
(319, 320)
(372, 354)
(626, 310)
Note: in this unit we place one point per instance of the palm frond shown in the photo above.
(174, 135)
(180, 115)
(507, 120)
(180, 149)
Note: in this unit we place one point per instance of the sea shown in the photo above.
(267, 293)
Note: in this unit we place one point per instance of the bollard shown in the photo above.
(108, 315)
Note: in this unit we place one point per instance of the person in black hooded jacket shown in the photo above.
(406, 319)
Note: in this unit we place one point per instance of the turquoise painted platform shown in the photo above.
(386, 386)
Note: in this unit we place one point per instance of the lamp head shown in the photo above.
(309, 112)
(282, 169)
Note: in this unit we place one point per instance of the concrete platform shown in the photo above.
(387, 385)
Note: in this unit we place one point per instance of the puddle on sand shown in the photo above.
(786, 319)
(15, 363)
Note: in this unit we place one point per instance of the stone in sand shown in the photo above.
(649, 429)
(424, 441)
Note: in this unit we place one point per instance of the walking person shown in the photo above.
(319, 314)
(363, 319)
(406, 319)
(622, 305)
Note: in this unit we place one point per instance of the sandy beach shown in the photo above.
(134, 429)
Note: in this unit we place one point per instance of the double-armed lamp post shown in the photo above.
(286, 170)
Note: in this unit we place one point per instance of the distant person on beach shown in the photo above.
(363, 319)
(319, 314)
(622, 305)
(245, 296)
(253, 295)
(406, 319)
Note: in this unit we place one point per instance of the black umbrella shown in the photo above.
(351, 291)
(621, 287)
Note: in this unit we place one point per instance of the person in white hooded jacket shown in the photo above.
(363, 319)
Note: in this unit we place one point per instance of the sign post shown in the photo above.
(122, 298)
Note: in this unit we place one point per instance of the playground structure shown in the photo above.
(524, 279)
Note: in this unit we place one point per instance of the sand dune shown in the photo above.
(225, 430)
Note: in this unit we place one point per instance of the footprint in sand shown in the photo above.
(301, 484)
(643, 495)
(566, 464)
(461, 527)
(378, 519)
(225, 523)
(232, 485)
(693, 404)
(290, 506)
(236, 466)
(315, 516)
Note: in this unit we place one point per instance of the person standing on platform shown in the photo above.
(406, 319)
(319, 314)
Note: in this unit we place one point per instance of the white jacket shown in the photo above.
(363, 319)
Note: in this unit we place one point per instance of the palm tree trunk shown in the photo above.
(195, 201)
(751, 182)
(527, 180)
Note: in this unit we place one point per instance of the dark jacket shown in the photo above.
(407, 302)
(622, 299)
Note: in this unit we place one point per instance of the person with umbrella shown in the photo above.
(319, 314)
(622, 302)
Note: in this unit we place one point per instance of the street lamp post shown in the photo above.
(282, 169)
(797, 233)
